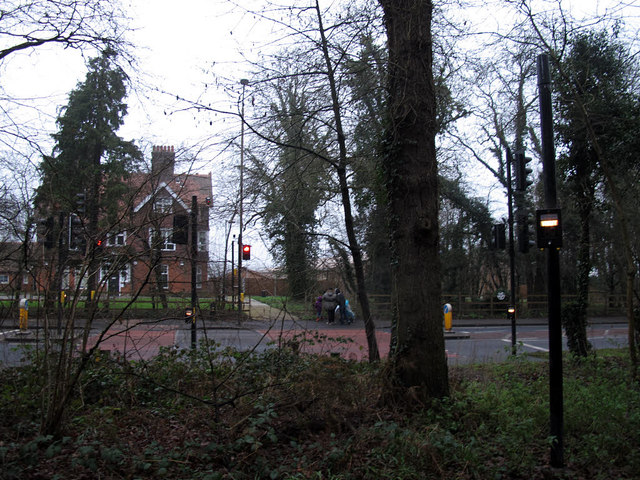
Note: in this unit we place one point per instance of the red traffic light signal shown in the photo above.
(246, 252)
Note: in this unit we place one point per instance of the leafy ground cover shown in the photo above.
(220, 414)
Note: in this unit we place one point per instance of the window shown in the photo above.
(162, 205)
(198, 276)
(203, 241)
(117, 239)
(163, 239)
(4, 278)
(125, 274)
(164, 275)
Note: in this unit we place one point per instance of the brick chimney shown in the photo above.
(163, 160)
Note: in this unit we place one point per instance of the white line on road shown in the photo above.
(9, 332)
(528, 345)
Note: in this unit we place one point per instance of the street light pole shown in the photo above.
(233, 275)
(244, 83)
(512, 253)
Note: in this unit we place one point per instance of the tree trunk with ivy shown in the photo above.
(418, 360)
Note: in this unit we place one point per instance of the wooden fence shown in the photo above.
(601, 304)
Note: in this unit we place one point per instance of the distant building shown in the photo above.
(146, 247)
(160, 234)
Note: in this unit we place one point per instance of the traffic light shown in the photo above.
(522, 171)
(246, 252)
(77, 240)
(98, 246)
(524, 236)
(48, 224)
(498, 232)
(80, 204)
(189, 315)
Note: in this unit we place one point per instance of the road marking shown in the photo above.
(528, 345)
(10, 332)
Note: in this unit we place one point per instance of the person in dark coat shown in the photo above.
(329, 304)
(341, 303)
(318, 307)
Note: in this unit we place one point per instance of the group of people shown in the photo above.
(333, 302)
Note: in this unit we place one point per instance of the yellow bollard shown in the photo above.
(448, 317)
(24, 314)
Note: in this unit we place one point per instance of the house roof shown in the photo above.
(181, 188)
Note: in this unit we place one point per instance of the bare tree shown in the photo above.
(319, 53)
(68, 23)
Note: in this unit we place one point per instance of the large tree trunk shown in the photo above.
(574, 315)
(578, 341)
(418, 355)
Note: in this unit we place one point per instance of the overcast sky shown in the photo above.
(180, 46)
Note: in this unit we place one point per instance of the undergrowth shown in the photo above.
(218, 413)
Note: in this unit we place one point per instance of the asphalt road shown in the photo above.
(465, 344)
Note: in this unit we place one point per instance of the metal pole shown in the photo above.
(556, 407)
(512, 252)
(224, 266)
(194, 267)
(233, 273)
(244, 83)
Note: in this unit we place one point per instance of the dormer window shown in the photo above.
(162, 205)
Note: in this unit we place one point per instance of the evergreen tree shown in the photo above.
(89, 157)
(294, 192)
(597, 110)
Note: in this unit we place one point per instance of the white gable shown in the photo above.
(154, 194)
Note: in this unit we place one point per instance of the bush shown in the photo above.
(220, 413)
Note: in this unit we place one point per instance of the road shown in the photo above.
(464, 345)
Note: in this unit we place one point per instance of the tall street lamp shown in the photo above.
(244, 83)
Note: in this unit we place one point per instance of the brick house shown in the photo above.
(157, 240)
(145, 247)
